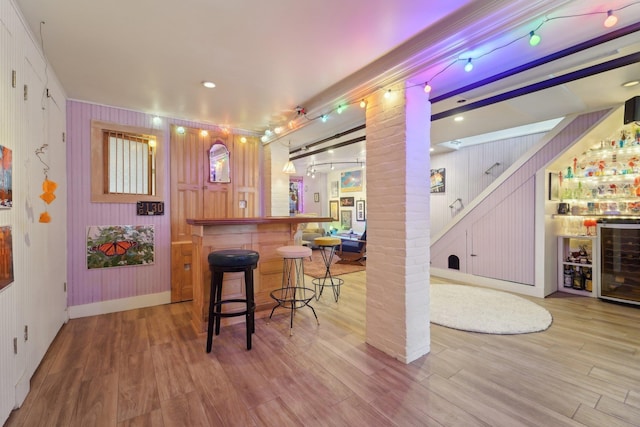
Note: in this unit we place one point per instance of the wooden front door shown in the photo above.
(193, 196)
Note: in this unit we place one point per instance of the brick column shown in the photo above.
(398, 194)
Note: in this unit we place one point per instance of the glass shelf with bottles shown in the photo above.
(575, 265)
(605, 180)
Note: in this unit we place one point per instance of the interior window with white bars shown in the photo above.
(130, 164)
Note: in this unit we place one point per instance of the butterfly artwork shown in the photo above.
(114, 248)
(120, 246)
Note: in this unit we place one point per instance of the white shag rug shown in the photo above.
(485, 310)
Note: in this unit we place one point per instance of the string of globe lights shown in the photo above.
(534, 39)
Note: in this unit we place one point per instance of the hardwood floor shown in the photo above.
(147, 367)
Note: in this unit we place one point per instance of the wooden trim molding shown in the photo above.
(98, 163)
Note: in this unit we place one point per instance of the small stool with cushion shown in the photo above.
(293, 294)
(327, 247)
(231, 261)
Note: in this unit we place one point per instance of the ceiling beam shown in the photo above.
(332, 147)
(633, 58)
(336, 136)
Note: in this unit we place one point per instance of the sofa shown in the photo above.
(311, 230)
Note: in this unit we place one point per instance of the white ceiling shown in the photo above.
(267, 58)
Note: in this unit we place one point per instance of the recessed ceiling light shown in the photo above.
(631, 83)
(459, 119)
(209, 85)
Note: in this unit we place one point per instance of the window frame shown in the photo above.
(99, 174)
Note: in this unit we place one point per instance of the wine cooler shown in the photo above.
(619, 256)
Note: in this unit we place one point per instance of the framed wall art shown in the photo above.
(296, 192)
(351, 181)
(6, 256)
(346, 202)
(334, 189)
(554, 186)
(360, 215)
(120, 245)
(333, 210)
(6, 178)
(438, 180)
(345, 219)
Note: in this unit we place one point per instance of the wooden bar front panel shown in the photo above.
(262, 238)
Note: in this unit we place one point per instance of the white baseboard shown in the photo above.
(122, 304)
(22, 389)
(503, 285)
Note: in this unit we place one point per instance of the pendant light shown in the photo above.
(289, 167)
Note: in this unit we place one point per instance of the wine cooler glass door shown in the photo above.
(619, 262)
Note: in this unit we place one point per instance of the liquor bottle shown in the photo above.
(587, 274)
(568, 276)
(577, 279)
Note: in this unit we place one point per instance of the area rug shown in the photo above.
(483, 310)
(316, 267)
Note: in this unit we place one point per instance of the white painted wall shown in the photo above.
(276, 182)
(36, 299)
(311, 186)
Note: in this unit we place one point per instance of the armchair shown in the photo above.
(353, 251)
(310, 231)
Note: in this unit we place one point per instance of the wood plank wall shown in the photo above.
(505, 247)
(90, 286)
(466, 177)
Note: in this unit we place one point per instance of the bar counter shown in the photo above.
(261, 234)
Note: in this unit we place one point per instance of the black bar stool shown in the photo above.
(231, 261)
(327, 247)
